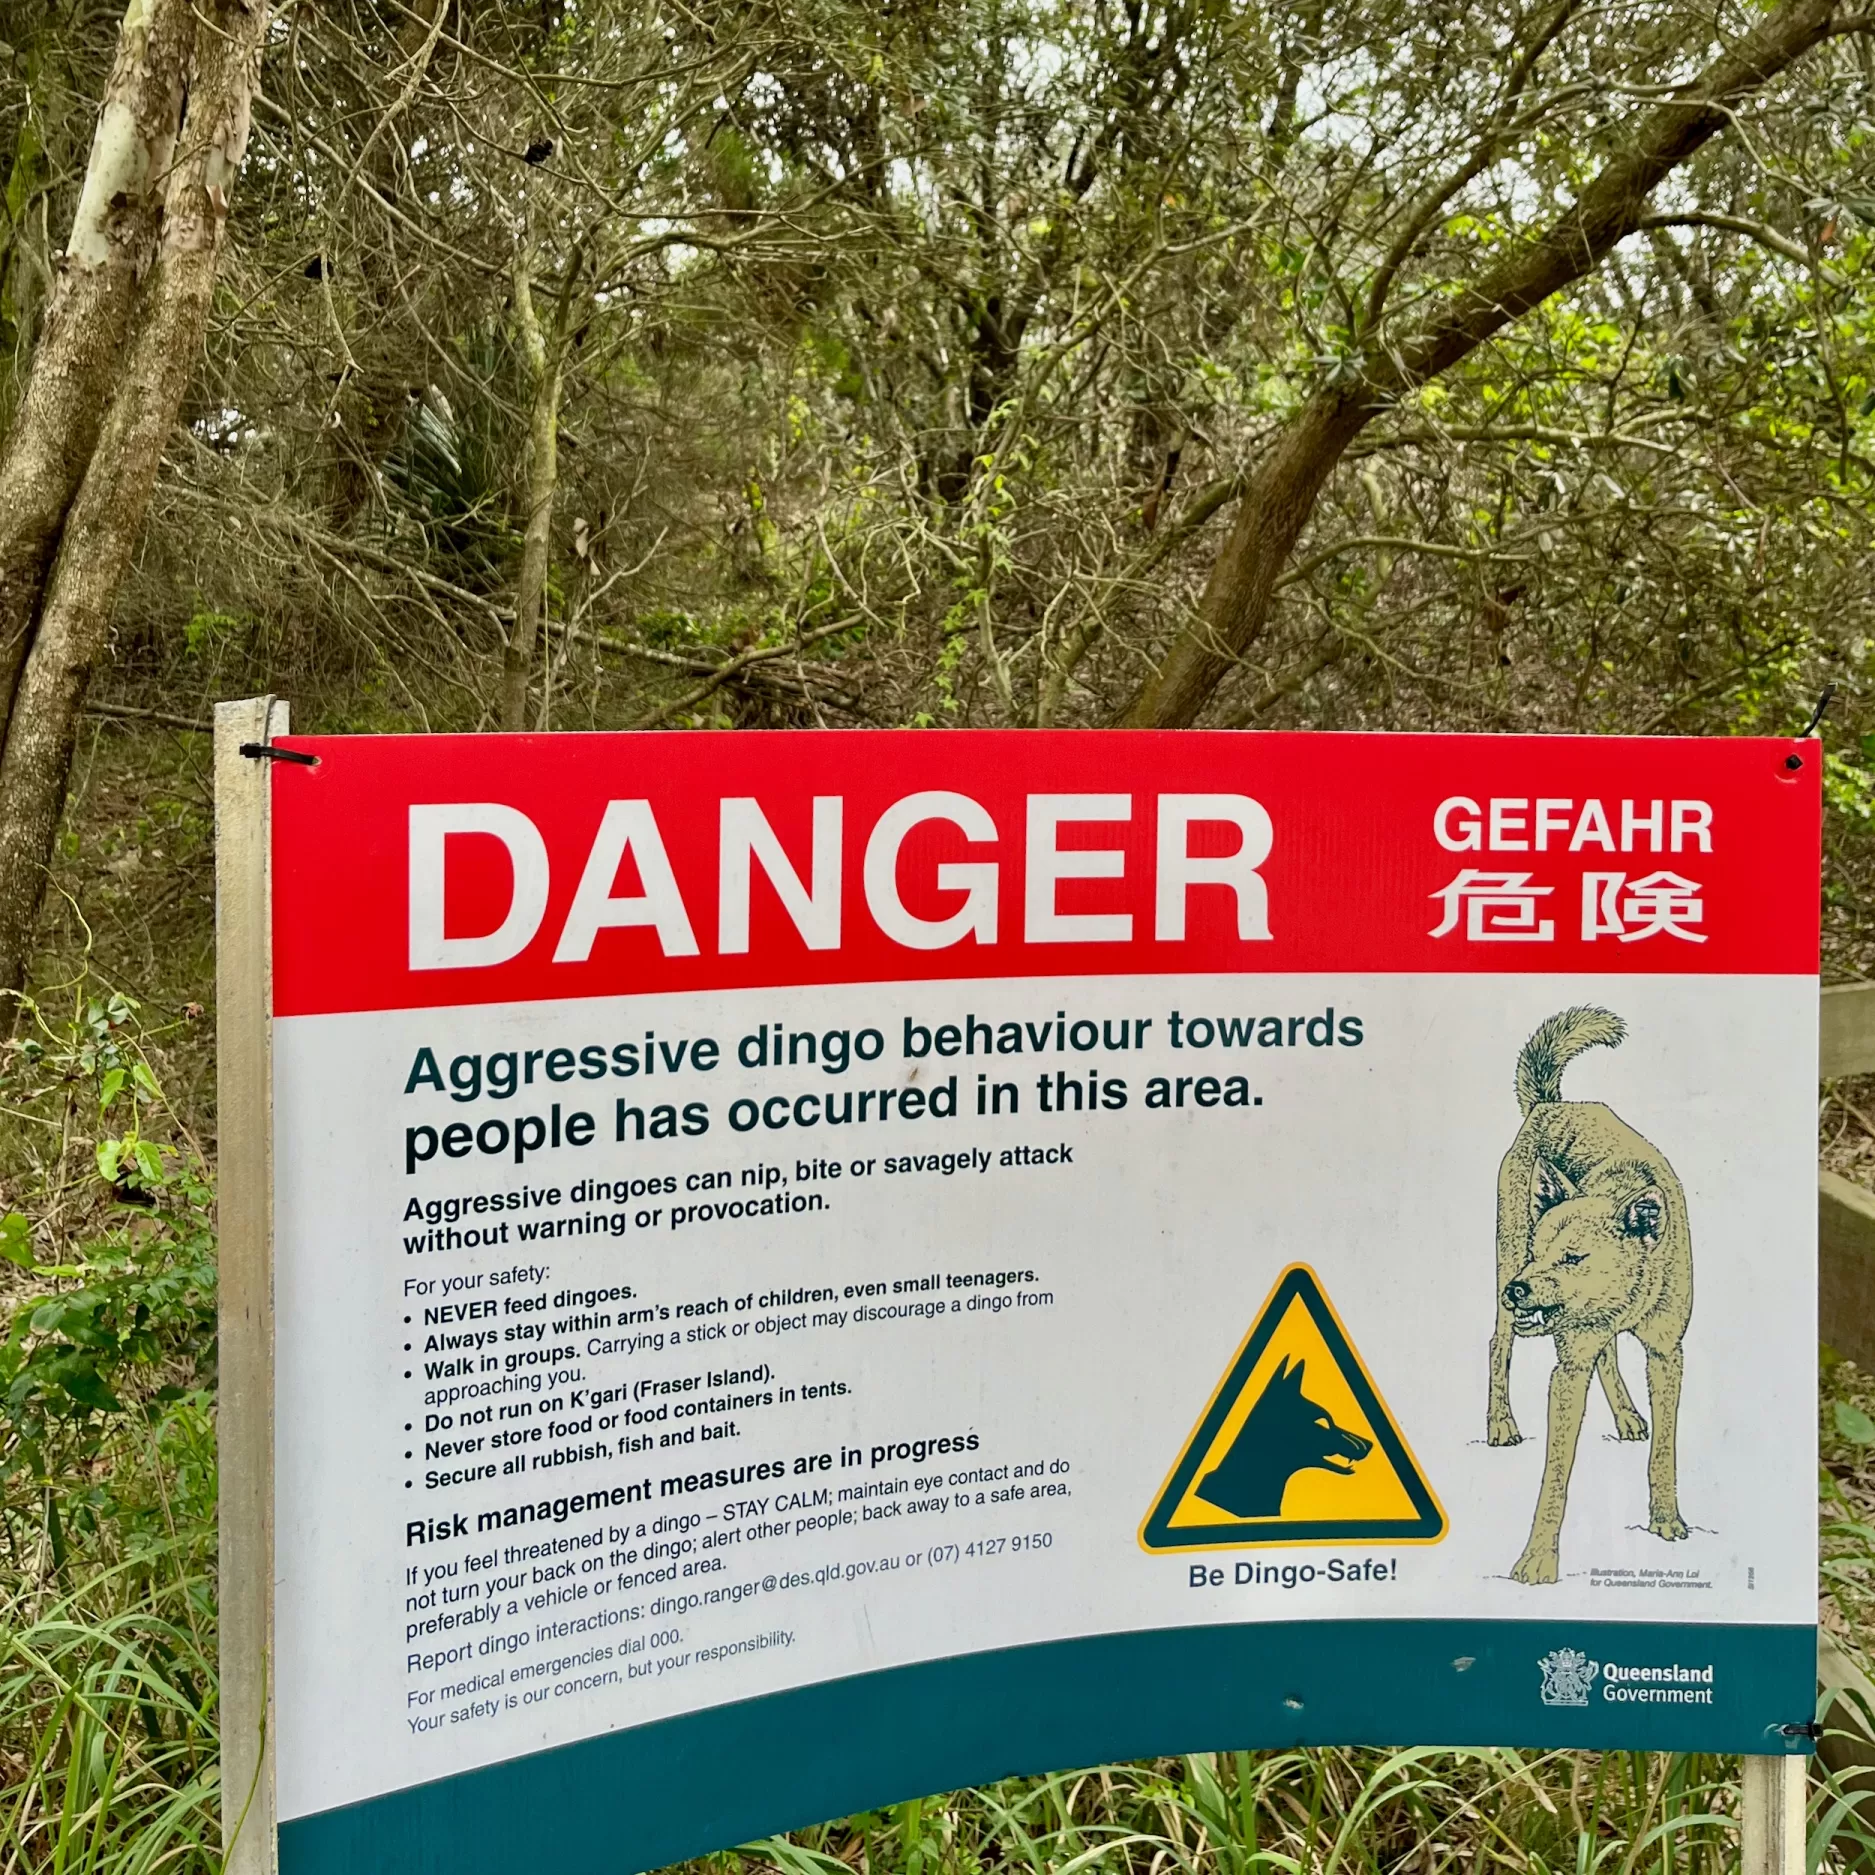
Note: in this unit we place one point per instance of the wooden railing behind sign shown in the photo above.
(1845, 1211)
(1848, 1031)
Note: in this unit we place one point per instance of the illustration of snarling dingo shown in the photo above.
(1592, 1242)
(1285, 1433)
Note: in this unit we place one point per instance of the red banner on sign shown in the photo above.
(423, 871)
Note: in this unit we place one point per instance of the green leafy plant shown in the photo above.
(120, 1311)
(109, 1741)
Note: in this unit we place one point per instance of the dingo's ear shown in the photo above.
(1644, 1215)
(1549, 1185)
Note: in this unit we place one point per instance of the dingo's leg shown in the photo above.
(1665, 1370)
(1501, 1423)
(1513, 1251)
(1568, 1397)
(1628, 1421)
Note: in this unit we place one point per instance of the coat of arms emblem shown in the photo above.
(1567, 1677)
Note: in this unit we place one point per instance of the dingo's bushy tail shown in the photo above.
(1555, 1044)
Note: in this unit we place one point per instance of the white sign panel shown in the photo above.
(912, 1258)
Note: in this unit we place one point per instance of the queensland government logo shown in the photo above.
(1567, 1677)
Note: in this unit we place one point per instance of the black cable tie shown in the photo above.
(268, 752)
(1816, 715)
(1809, 1729)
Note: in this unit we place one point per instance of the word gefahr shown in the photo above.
(1519, 824)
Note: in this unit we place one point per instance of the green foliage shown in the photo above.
(451, 470)
(207, 632)
(109, 1745)
(1847, 1494)
(1849, 786)
(27, 178)
(122, 1315)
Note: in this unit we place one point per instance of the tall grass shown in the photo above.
(108, 1680)
(1325, 1812)
(108, 1686)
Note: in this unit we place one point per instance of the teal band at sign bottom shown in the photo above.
(660, 1793)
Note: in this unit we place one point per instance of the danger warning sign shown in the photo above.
(1296, 1445)
(795, 1250)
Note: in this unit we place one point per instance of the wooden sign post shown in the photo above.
(889, 1261)
(244, 1108)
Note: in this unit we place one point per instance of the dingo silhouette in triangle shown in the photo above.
(1296, 1445)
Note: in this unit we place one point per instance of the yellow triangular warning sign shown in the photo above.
(1296, 1445)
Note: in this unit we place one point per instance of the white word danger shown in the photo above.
(814, 902)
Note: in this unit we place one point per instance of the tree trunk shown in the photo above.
(543, 467)
(113, 239)
(98, 531)
(1281, 495)
(1236, 602)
